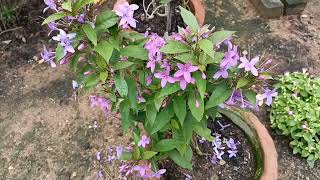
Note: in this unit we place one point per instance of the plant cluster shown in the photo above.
(170, 85)
(296, 113)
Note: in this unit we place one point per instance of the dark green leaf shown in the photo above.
(219, 95)
(169, 89)
(243, 82)
(180, 108)
(181, 161)
(185, 57)
(148, 154)
(207, 46)
(106, 20)
(121, 65)
(175, 47)
(251, 96)
(162, 119)
(125, 115)
(121, 85)
(197, 112)
(105, 50)
(201, 84)
(79, 4)
(132, 92)
(135, 52)
(126, 156)
(220, 36)
(166, 145)
(151, 113)
(59, 53)
(91, 34)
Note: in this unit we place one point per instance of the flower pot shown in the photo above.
(261, 141)
(196, 6)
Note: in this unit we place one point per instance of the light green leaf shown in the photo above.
(101, 62)
(180, 160)
(121, 85)
(151, 113)
(202, 131)
(169, 89)
(59, 52)
(185, 57)
(103, 76)
(135, 52)
(207, 46)
(197, 112)
(175, 47)
(148, 154)
(242, 82)
(218, 56)
(67, 6)
(79, 4)
(91, 34)
(180, 108)
(189, 19)
(164, 1)
(188, 129)
(54, 17)
(126, 156)
(251, 96)
(166, 145)
(92, 80)
(136, 153)
(201, 84)
(220, 36)
(125, 112)
(132, 92)
(106, 20)
(105, 50)
(121, 65)
(158, 101)
(219, 95)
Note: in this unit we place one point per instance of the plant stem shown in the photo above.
(169, 19)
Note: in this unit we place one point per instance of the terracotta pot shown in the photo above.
(196, 7)
(261, 141)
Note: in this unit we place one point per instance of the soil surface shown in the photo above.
(45, 133)
(240, 167)
(158, 24)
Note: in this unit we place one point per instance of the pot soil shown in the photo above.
(158, 24)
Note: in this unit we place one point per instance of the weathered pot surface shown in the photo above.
(196, 7)
(265, 150)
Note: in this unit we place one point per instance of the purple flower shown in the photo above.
(125, 11)
(151, 64)
(142, 169)
(100, 175)
(188, 177)
(249, 66)
(203, 76)
(268, 94)
(232, 153)
(214, 160)
(223, 72)
(104, 103)
(144, 141)
(93, 100)
(159, 173)
(165, 77)
(119, 150)
(141, 99)
(183, 82)
(185, 70)
(48, 57)
(65, 40)
(230, 59)
(148, 80)
(218, 154)
(81, 18)
(231, 144)
(51, 4)
(111, 158)
(177, 37)
(202, 140)
(53, 27)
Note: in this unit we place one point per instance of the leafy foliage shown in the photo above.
(296, 113)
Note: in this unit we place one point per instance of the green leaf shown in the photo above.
(265, 75)
(125, 112)
(181, 161)
(169, 89)
(189, 19)
(103, 76)
(201, 84)
(187, 129)
(243, 82)
(92, 80)
(132, 92)
(121, 65)
(126, 156)
(104, 49)
(201, 129)
(151, 113)
(79, 4)
(121, 85)
(67, 6)
(207, 46)
(188, 154)
(166, 145)
(162, 119)
(185, 57)
(219, 95)
(148, 154)
(91, 34)
(218, 56)
(101, 62)
(135, 52)
(180, 108)
(220, 36)
(175, 47)
(54, 17)
(136, 153)
(197, 112)
(106, 20)
(251, 96)
(59, 52)
(164, 1)
(158, 101)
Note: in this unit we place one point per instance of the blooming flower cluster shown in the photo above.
(126, 11)
(101, 102)
(219, 148)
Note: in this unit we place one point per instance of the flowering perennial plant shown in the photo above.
(170, 85)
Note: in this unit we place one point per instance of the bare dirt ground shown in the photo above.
(46, 134)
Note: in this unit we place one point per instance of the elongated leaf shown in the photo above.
(185, 57)
(106, 20)
(243, 82)
(91, 34)
(92, 80)
(151, 113)
(79, 4)
(59, 53)
(148, 154)
(218, 56)
(180, 108)
(162, 119)
(193, 102)
(251, 96)
(54, 17)
(188, 129)
(166, 145)
(219, 95)
(220, 36)
(104, 49)
(189, 19)
(67, 6)
(201, 84)
(175, 47)
(207, 46)
(135, 52)
(158, 101)
(103, 76)
(180, 160)
(132, 92)
(121, 65)
(125, 113)
(121, 85)
(202, 131)
(169, 89)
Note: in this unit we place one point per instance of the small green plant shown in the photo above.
(296, 113)
(7, 14)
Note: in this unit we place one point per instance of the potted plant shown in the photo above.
(164, 88)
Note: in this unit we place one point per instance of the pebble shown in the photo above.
(10, 168)
(74, 174)
(7, 41)
(304, 16)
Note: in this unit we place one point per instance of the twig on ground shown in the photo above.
(9, 30)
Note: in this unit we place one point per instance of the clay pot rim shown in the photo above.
(196, 6)
(267, 153)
